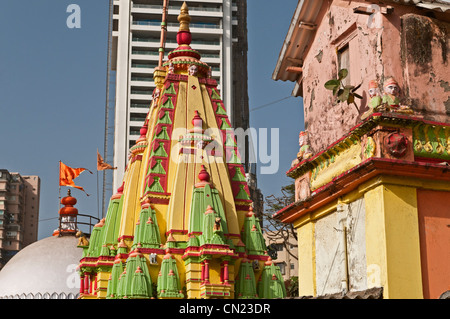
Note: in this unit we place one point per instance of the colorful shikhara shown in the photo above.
(181, 225)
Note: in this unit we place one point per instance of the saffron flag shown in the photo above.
(68, 174)
(101, 164)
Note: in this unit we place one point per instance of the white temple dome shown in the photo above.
(45, 269)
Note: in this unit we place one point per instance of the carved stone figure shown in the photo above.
(374, 94)
(156, 94)
(217, 224)
(391, 93)
(391, 97)
(375, 100)
(152, 259)
(305, 150)
(209, 73)
(82, 241)
(193, 69)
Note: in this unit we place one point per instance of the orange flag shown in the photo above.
(101, 164)
(68, 174)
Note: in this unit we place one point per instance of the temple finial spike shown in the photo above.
(184, 17)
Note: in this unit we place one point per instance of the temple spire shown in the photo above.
(184, 18)
(184, 36)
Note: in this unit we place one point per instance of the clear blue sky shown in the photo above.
(52, 93)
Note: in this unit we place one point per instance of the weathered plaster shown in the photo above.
(380, 46)
(332, 258)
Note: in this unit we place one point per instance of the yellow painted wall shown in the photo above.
(392, 237)
(306, 260)
(392, 241)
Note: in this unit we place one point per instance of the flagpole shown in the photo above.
(98, 207)
(59, 185)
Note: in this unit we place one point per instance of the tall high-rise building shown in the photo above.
(219, 33)
(19, 212)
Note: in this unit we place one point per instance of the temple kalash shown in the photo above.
(181, 225)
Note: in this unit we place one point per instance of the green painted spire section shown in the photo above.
(197, 205)
(147, 230)
(220, 109)
(234, 159)
(160, 151)
(208, 225)
(165, 119)
(121, 285)
(230, 141)
(138, 233)
(104, 251)
(211, 231)
(242, 194)
(216, 204)
(170, 89)
(158, 168)
(140, 287)
(225, 124)
(110, 231)
(168, 104)
(215, 95)
(163, 135)
(271, 283)
(139, 280)
(246, 283)
(168, 279)
(203, 197)
(113, 282)
(193, 241)
(95, 244)
(238, 176)
(156, 186)
(122, 248)
(252, 236)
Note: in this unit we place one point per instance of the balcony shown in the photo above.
(141, 93)
(145, 54)
(195, 28)
(142, 68)
(175, 10)
(171, 44)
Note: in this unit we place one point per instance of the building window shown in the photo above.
(344, 62)
(278, 247)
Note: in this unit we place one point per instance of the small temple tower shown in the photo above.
(182, 223)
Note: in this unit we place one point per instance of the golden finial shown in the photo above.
(184, 17)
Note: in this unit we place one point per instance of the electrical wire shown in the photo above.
(271, 103)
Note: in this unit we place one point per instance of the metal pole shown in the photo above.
(163, 33)
(108, 75)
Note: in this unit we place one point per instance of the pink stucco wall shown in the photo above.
(404, 44)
